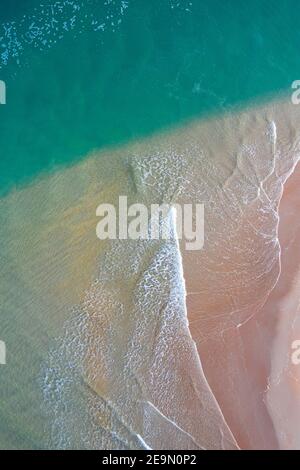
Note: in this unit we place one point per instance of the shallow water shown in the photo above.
(100, 335)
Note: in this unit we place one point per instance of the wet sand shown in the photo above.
(282, 394)
(101, 343)
(236, 332)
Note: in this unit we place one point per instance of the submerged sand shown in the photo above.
(101, 354)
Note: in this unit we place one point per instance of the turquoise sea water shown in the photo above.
(82, 75)
(89, 74)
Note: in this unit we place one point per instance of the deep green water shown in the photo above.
(164, 63)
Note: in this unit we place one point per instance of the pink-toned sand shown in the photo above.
(249, 365)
